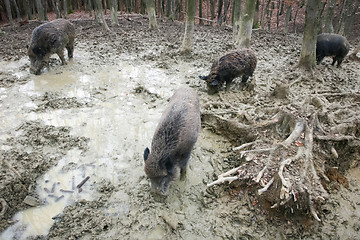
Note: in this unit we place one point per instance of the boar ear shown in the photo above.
(146, 153)
(215, 83)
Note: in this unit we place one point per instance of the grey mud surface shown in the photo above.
(94, 117)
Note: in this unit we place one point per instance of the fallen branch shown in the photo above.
(264, 189)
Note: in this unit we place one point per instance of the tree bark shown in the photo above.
(256, 15)
(188, 41)
(328, 26)
(113, 12)
(308, 49)
(351, 6)
(265, 12)
(247, 18)
(236, 18)
(270, 13)
(66, 9)
(150, 8)
(278, 13)
(40, 10)
(219, 15)
(17, 11)
(99, 13)
(8, 10)
(212, 9)
(287, 19)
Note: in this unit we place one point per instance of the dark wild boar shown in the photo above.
(233, 64)
(173, 140)
(50, 38)
(334, 45)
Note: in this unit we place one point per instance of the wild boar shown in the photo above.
(173, 140)
(233, 64)
(50, 38)
(334, 45)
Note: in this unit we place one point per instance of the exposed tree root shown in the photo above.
(3, 206)
(286, 171)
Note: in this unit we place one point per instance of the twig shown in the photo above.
(222, 180)
(299, 128)
(266, 187)
(256, 150)
(16, 173)
(83, 182)
(4, 206)
(313, 211)
(244, 146)
(336, 138)
(260, 174)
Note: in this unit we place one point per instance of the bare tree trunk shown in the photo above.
(8, 10)
(17, 11)
(27, 9)
(338, 27)
(287, 19)
(256, 14)
(200, 12)
(278, 13)
(212, 9)
(99, 13)
(188, 41)
(247, 18)
(40, 10)
(219, 16)
(328, 19)
(308, 49)
(264, 12)
(179, 8)
(55, 4)
(226, 9)
(270, 15)
(351, 6)
(113, 12)
(150, 8)
(236, 19)
(65, 8)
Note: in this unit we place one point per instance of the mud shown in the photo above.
(93, 118)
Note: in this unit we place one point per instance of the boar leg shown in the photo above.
(61, 56)
(70, 49)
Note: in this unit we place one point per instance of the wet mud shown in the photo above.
(72, 138)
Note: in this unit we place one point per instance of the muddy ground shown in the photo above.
(95, 116)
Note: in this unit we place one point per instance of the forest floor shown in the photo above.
(95, 116)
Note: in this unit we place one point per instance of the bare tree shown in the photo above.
(56, 7)
(236, 18)
(308, 49)
(328, 19)
(8, 9)
(66, 10)
(247, 18)
(287, 18)
(188, 40)
(350, 8)
(113, 12)
(150, 8)
(17, 11)
(256, 14)
(99, 14)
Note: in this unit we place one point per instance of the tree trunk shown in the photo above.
(278, 13)
(236, 19)
(99, 14)
(212, 9)
(247, 18)
(339, 25)
(8, 10)
(55, 4)
(170, 9)
(65, 8)
(200, 12)
(351, 6)
(40, 10)
(179, 8)
(308, 49)
(270, 15)
(226, 9)
(27, 9)
(219, 16)
(265, 12)
(328, 19)
(113, 12)
(150, 8)
(256, 15)
(188, 41)
(287, 19)
(17, 11)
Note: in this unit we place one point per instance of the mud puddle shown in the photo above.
(117, 108)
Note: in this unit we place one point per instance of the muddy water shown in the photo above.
(122, 104)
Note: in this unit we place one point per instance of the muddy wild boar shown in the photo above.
(334, 45)
(50, 38)
(173, 140)
(233, 64)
